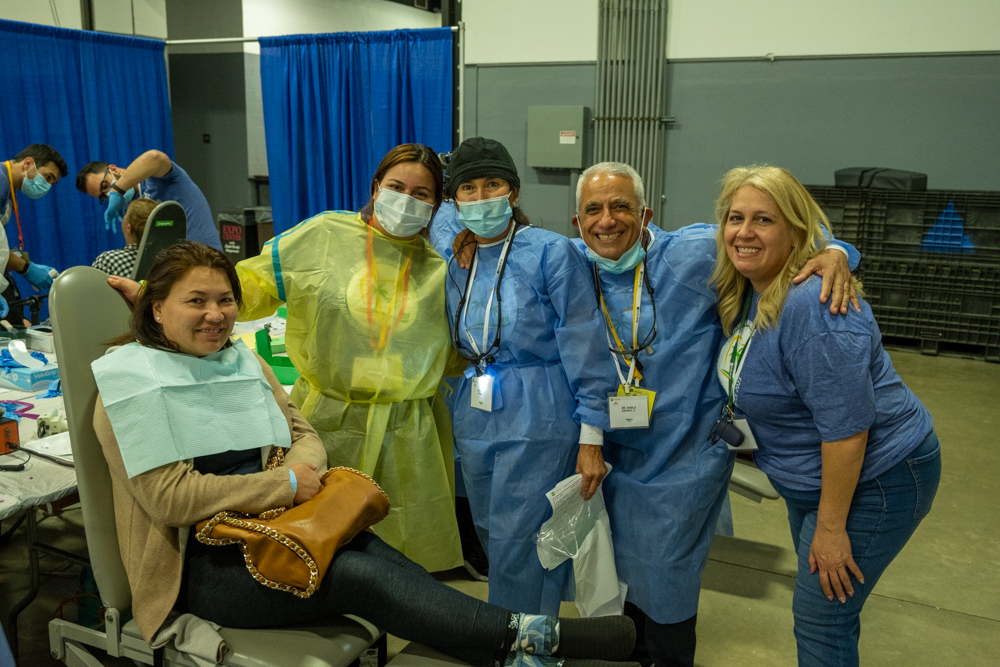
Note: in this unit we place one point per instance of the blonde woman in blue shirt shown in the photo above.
(847, 445)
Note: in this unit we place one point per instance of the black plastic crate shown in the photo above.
(961, 228)
(936, 305)
(844, 207)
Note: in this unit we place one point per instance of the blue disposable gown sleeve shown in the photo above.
(444, 227)
(579, 334)
(853, 256)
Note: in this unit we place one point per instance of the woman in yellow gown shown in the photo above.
(368, 332)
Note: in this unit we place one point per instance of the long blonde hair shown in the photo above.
(807, 224)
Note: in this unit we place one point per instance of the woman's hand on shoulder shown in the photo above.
(307, 482)
(129, 289)
(832, 265)
(464, 246)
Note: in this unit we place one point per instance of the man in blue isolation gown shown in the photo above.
(668, 481)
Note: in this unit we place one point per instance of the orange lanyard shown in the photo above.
(13, 198)
(386, 323)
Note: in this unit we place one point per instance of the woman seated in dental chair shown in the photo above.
(187, 419)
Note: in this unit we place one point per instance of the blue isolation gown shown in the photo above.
(669, 481)
(552, 373)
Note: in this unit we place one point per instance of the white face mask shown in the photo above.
(401, 215)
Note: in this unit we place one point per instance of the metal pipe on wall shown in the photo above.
(602, 48)
(461, 80)
(629, 123)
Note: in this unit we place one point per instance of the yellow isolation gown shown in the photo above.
(368, 333)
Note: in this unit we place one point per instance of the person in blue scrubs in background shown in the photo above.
(531, 409)
(32, 172)
(668, 480)
(153, 174)
(847, 445)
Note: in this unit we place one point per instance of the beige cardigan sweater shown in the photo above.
(154, 510)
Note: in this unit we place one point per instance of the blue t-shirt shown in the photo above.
(177, 186)
(817, 377)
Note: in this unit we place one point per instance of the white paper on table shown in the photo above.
(56, 445)
(277, 326)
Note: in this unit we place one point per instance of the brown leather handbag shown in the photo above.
(290, 549)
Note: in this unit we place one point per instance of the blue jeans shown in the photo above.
(368, 578)
(884, 513)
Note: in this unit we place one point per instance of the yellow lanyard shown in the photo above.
(636, 305)
(386, 322)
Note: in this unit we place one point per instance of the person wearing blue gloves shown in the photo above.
(532, 407)
(661, 328)
(33, 172)
(154, 175)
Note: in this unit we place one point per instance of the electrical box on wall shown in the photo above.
(557, 137)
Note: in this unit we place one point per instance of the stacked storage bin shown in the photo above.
(930, 263)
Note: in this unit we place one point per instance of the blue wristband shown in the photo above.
(295, 482)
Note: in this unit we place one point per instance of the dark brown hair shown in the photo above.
(170, 266)
(42, 155)
(418, 153)
(95, 167)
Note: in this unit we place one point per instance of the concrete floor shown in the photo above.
(937, 604)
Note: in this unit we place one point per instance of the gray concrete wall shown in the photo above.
(256, 146)
(497, 100)
(209, 97)
(936, 115)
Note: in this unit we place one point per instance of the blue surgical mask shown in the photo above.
(629, 259)
(35, 187)
(401, 215)
(486, 218)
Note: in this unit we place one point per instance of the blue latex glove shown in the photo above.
(4, 308)
(55, 389)
(116, 210)
(38, 276)
(7, 361)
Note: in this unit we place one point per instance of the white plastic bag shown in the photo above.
(581, 530)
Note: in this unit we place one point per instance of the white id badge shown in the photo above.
(749, 444)
(628, 411)
(482, 392)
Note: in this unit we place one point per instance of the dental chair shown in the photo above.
(86, 312)
(748, 481)
(165, 226)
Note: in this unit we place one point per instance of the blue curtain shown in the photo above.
(335, 104)
(91, 96)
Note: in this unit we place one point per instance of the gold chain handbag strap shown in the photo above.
(247, 522)
(276, 458)
(239, 520)
(361, 474)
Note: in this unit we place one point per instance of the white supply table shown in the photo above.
(41, 483)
